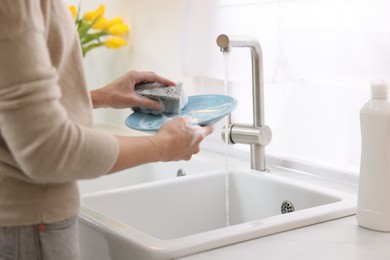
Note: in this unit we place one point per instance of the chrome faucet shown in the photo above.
(257, 135)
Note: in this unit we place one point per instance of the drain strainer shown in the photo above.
(180, 173)
(287, 207)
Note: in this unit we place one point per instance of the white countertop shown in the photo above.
(336, 239)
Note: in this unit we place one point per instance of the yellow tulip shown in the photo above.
(100, 10)
(113, 21)
(100, 23)
(92, 15)
(89, 16)
(118, 29)
(115, 42)
(73, 11)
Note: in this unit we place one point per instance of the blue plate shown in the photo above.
(203, 109)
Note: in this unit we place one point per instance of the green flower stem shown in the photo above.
(92, 36)
(87, 48)
(85, 27)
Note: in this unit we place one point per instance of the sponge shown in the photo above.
(172, 98)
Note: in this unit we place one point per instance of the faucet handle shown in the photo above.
(247, 134)
(265, 135)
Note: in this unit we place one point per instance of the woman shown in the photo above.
(46, 139)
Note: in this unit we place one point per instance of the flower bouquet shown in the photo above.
(95, 30)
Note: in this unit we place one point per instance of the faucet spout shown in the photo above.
(257, 135)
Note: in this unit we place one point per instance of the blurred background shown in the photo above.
(319, 59)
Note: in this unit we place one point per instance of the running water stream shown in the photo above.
(226, 92)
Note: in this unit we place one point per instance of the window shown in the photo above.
(319, 59)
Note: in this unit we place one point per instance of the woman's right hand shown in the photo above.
(178, 139)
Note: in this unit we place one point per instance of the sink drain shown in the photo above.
(180, 173)
(287, 207)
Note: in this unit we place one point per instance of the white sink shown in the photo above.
(182, 216)
(147, 173)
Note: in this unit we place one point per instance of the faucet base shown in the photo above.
(256, 137)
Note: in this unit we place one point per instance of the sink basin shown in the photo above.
(147, 173)
(182, 216)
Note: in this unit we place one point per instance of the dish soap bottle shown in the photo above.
(373, 210)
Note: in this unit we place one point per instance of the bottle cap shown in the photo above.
(380, 88)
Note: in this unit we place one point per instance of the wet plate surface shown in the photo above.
(203, 109)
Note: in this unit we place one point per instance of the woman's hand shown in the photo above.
(177, 139)
(120, 93)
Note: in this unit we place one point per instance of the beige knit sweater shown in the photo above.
(46, 139)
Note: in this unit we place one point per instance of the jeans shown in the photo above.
(57, 241)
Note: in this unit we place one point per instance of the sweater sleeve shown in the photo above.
(46, 145)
